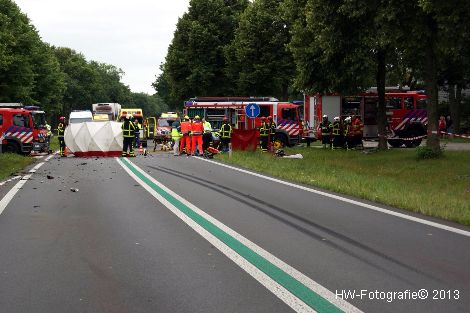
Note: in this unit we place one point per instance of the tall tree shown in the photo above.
(257, 56)
(195, 62)
(29, 72)
(443, 31)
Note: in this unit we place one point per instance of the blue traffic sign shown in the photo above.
(252, 110)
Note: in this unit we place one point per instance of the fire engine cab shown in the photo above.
(406, 114)
(286, 115)
(22, 130)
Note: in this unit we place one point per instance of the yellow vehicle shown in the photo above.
(100, 117)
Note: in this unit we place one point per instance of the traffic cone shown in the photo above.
(141, 150)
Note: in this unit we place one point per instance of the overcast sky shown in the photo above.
(132, 35)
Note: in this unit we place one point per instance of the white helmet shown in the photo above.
(348, 119)
(325, 116)
(336, 119)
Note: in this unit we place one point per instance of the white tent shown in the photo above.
(91, 139)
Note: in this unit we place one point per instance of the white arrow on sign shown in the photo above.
(252, 108)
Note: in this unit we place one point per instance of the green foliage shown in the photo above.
(150, 105)
(257, 57)
(195, 63)
(426, 153)
(29, 72)
(13, 162)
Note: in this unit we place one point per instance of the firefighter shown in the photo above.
(138, 127)
(176, 136)
(225, 133)
(128, 134)
(197, 129)
(337, 131)
(272, 129)
(358, 129)
(60, 135)
(264, 132)
(326, 127)
(207, 136)
(186, 139)
(348, 134)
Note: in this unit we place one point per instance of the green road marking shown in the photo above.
(311, 298)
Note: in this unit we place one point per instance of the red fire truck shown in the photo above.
(22, 130)
(286, 115)
(406, 114)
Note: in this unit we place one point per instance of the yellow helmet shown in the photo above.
(196, 117)
(186, 117)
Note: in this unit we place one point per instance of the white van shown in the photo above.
(80, 117)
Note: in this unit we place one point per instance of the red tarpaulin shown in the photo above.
(245, 139)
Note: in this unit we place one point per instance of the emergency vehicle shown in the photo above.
(164, 122)
(110, 109)
(22, 130)
(286, 115)
(406, 114)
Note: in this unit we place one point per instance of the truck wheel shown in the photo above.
(12, 147)
(395, 143)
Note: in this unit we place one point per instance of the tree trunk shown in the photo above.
(381, 114)
(285, 92)
(431, 84)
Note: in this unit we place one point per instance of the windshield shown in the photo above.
(39, 119)
(80, 120)
(165, 123)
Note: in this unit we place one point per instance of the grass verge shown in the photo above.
(11, 163)
(438, 187)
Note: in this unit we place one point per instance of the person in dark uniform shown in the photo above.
(337, 130)
(60, 135)
(225, 133)
(326, 127)
(128, 134)
(264, 132)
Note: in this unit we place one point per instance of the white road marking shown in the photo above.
(9, 180)
(358, 203)
(282, 293)
(9, 196)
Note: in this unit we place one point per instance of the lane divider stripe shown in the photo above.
(358, 203)
(9, 196)
(292, 291)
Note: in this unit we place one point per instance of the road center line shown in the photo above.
(358, 203)
(297, 290)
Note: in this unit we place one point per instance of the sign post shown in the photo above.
(252, 111)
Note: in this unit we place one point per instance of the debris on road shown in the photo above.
(50, 177)
(74, 189)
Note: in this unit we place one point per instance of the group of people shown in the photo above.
(445, 126)
(192, 137)
(267, 130)
(341, 134)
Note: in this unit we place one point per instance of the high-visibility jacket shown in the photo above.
(60, 130)
(128, 129)
(207, 127)
(272, 128)
(336, 129)
(326, 127)
(264, 130)
(137, 129)
(175, 134)
(197, 129)
(348, 130)
(225, 131)
(185, 127)
(49, 132)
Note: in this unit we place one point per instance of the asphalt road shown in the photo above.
(219, 240)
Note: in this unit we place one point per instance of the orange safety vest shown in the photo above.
(197, 128)
(185, 127)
